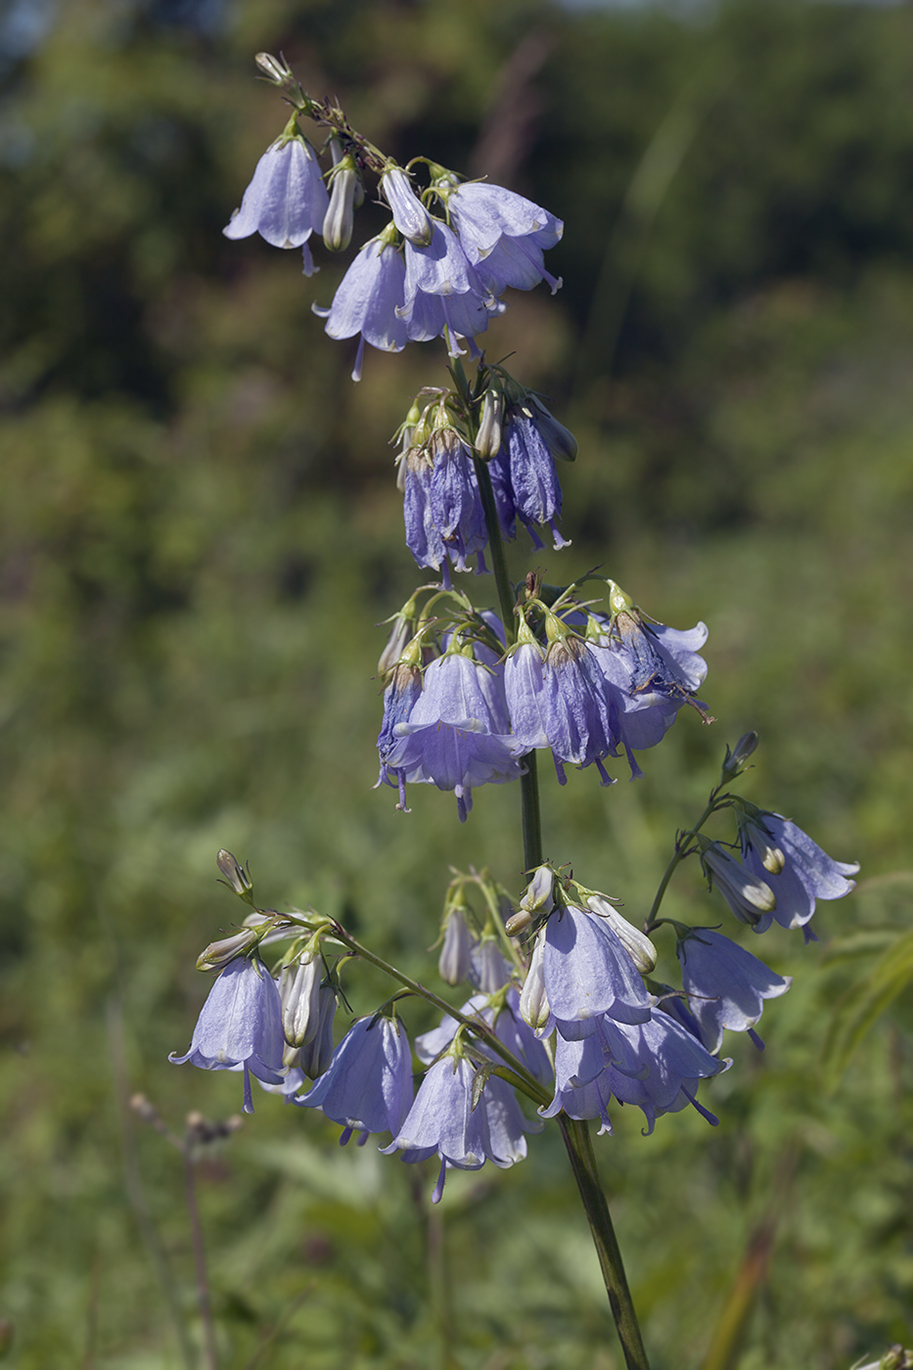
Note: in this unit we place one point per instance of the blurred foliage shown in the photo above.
(199, 533)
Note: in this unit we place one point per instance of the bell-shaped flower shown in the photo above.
(240, 1027)
(726, 985)
(503, 234)
(442, 507)
(368, 1085)
(558, 698)
(588, 972)
(444, 1118)
(445, 297)
(409, 214)
(527, 466)
(656, 1065)
(806, 873)
(748, 895)
(457, 734)
(655, 670)
(489, 968)
(287, 200)
(367, 300)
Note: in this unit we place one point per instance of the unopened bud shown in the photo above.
(488, 439)
(735, 759)
(317, 1054)
(748, 897)
(518, 922)
(218, 954)
(559, 440)
(537, 897)
(409, 214)
(637, 944)
(534, 1007)
(454, 961)
(272, 68)
(299, 987)
(236, 875)
(339, 220)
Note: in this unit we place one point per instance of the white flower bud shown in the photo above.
(537, 897)
(534, 1007)
(317, 1054)
(237, 876)
(454, 961)
(299, 988)
(637, 944)
(488, 439)
(218, 954)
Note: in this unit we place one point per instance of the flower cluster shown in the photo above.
(581, 684)
(425, 275)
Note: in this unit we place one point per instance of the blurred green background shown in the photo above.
(201, 533)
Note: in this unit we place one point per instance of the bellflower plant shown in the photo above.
(563, 1021)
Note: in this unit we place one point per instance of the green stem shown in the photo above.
(682, 850)
(524, 1079)
(506, 597)
(579, 1146)
(532, 818)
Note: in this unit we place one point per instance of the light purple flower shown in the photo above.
(240, 1027)
(367, 301)
(445, 297)
(457, 733)
(442, 507)
(748, 895)
(656, 1065)
(805, 874)
(526, 466)
(503, 235)
(726, 985)
(442, 1119)
(287, 200)
(558, 698)
(587, 972)
(368, 1085)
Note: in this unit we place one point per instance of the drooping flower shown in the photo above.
(454, 961)
(317, 1054)
(655, 670)
(526, 465)
(792, 865)
(443, 1120)
(368, 1085)
(442, 507)
(286, 200)
(445, 297)
(726, 985)
(409, 214)
(558, 698)
(367, 301)
(748, 895)
(656, 1065)
(240, 1026)
(587, 972)
(457, 734)
(503, 234)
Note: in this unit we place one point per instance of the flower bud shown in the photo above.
(517, 922)
(317, 1054)
(272, 68)
(409, 214)
(236, 876)
(488, 439)
(399, 637)
(747, 896)
(218, 954)
(537, 897)
(534, 1008)
(736, 759)
(454, 961)
(637, 944)
(299, 988)
(339, 219)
